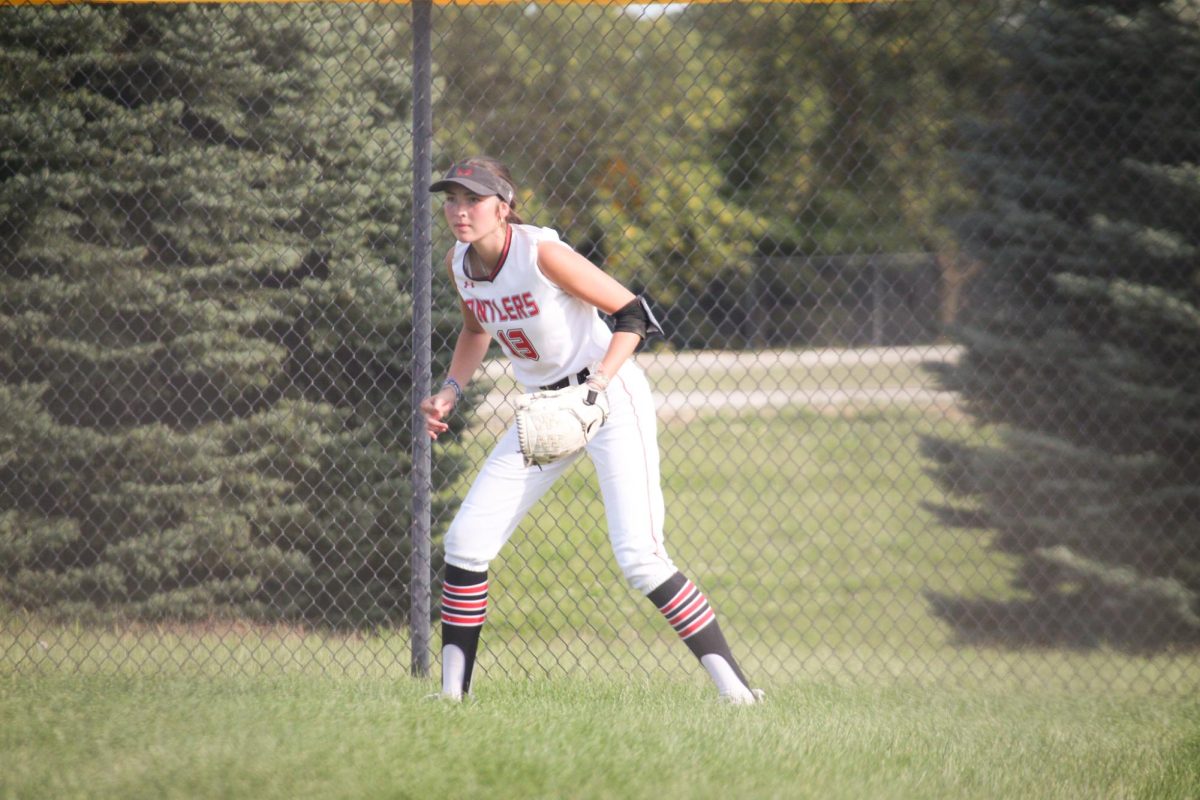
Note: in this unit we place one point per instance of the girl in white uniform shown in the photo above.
(539, 298)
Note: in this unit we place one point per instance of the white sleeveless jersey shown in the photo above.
(547, 333)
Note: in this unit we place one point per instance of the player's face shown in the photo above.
(471, 217)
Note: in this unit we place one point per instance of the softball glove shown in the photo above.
(552, 425)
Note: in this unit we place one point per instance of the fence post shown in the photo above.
(878, 298)
(422, 335)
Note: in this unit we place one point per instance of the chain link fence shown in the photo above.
(929, 402)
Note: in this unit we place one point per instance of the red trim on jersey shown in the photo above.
(499, 264)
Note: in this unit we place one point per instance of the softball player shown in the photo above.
(539, 298)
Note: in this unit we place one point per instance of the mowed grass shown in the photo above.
(804, 526)
(805, 529)
(274, 735)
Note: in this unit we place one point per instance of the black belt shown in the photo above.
(582, 376)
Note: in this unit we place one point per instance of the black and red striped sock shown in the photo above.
(464, 608)
(687, 610)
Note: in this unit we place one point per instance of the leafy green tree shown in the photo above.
(1083, 342)
(846, 119)
(201, 333)
(605, 117)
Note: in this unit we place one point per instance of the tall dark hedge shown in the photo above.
(1082, 343)
(204, 324)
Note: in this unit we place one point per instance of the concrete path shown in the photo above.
(664, 369)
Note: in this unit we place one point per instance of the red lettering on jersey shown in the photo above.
(505, 309)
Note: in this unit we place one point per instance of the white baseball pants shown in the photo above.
(625, 454)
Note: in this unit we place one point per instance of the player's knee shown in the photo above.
(645, 575)
(458, 553)
(469, 564)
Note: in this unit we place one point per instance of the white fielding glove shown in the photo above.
(552, 425)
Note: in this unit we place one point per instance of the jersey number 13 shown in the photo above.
(517, 344)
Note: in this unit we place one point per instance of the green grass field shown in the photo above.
(279, 735)
(806, 530)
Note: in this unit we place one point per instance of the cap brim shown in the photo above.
(475, 186)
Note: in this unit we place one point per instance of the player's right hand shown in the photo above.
(436, 409)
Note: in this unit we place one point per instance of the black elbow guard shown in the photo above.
(636, 317)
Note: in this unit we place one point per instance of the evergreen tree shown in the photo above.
(203, 334)
(1083, 341)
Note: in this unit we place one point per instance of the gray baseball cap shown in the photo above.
(478, 179)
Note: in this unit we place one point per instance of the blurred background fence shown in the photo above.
(929, 394)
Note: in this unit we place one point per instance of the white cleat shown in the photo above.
(449, 697)
(745, 697)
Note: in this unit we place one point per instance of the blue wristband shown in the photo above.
(458, 391)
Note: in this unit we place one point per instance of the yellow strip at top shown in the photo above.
(448, 2)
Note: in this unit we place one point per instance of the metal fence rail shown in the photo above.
(927, 392)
